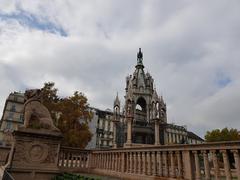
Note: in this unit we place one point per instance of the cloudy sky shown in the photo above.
(191, 48)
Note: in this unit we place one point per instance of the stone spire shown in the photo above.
(117, 101)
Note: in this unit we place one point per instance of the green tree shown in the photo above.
(70, 114)
(222, 135)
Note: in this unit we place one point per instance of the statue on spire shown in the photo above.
(139, 56)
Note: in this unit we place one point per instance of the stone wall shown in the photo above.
(3, 155)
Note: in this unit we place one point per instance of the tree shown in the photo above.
(70, 114)
(222, 135)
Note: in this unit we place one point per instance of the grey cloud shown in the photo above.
(189, 48)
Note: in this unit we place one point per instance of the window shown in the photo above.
(15, 98)
(9, 125)
(13, 108)
(10, 116)
(21, 118)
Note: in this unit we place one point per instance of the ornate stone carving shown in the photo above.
(36, 152)
(36, 115)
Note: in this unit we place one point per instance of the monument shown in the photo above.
(36, 143)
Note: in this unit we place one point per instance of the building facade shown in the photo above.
(12, 116)
(101, 126)
(145, 114)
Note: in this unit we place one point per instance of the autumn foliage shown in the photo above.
(70, 114)
(222, 135)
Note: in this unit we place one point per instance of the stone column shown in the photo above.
(139, 162)
(154, 164)
(206, 165)
(226, 165)
(172, 164)
(159, 160)
(157, 132)
(178, 138)
(114, 133)
(237, 162)
(215, 164)
(179, 162)
(149, 168)
(197, 165)
(129, 131)
(169, 138)
(144, 162)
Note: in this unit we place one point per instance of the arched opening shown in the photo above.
(141, 104)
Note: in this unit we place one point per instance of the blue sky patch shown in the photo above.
(222, 79)
(31, 21)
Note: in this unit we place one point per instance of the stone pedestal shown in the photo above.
(35, 153)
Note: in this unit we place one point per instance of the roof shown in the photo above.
(194, 136)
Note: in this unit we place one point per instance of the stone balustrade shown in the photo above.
(73, 158)
(200, 161)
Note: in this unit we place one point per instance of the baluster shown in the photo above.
(64, 157)
(134, 163)
(237, 161)
(127, 162)
(215, 164)
(115, 161)
(206, 165)
(144, 162)
(60, 159)
(68, 160)
(149, 167)
(139, 163)
(113, 164)
(159, 160)
(154, 164)
(84, 160)
(165, 164)
(104, 160)
(226, 165)
(100, 160)
(123, 155)
(131, 163)
(72, 160)
(172, 164)
(179, 162)
(109, 161)
(197, 165)
(118, 161)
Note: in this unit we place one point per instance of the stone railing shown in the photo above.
(201, 161)
(73, 158)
